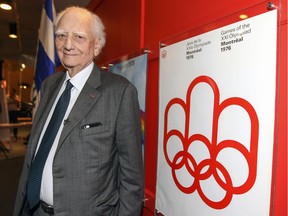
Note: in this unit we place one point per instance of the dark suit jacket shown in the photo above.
(98, 170)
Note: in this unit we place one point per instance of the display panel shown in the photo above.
(135, 70)
(216, 120)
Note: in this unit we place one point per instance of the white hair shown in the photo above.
(97, 25)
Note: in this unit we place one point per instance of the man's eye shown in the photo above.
(79, 38)
(61, 36)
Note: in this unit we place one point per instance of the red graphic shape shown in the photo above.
(211, 166)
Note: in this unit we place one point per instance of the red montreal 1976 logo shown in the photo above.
(211, 167)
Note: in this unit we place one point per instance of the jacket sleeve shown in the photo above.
(129, 146)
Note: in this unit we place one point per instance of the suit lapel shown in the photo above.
(84, 103)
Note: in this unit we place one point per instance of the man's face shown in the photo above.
(75, 43)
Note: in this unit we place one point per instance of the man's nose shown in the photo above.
(69, 43)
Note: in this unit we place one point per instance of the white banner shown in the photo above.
(216, 121)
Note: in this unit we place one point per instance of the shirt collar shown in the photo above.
(80, 78)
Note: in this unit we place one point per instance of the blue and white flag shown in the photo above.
(46, 55)
(45, 60)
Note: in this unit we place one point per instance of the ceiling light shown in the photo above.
(24, 85)
(13, 30)
(6, 5)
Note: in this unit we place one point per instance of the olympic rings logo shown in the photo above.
(211, 167)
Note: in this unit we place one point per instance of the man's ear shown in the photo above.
(97, 47)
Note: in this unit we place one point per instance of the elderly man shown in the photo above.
(84, 153)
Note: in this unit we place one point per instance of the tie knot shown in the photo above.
(69, 85)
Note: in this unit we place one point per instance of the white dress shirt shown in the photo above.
(78, 81)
